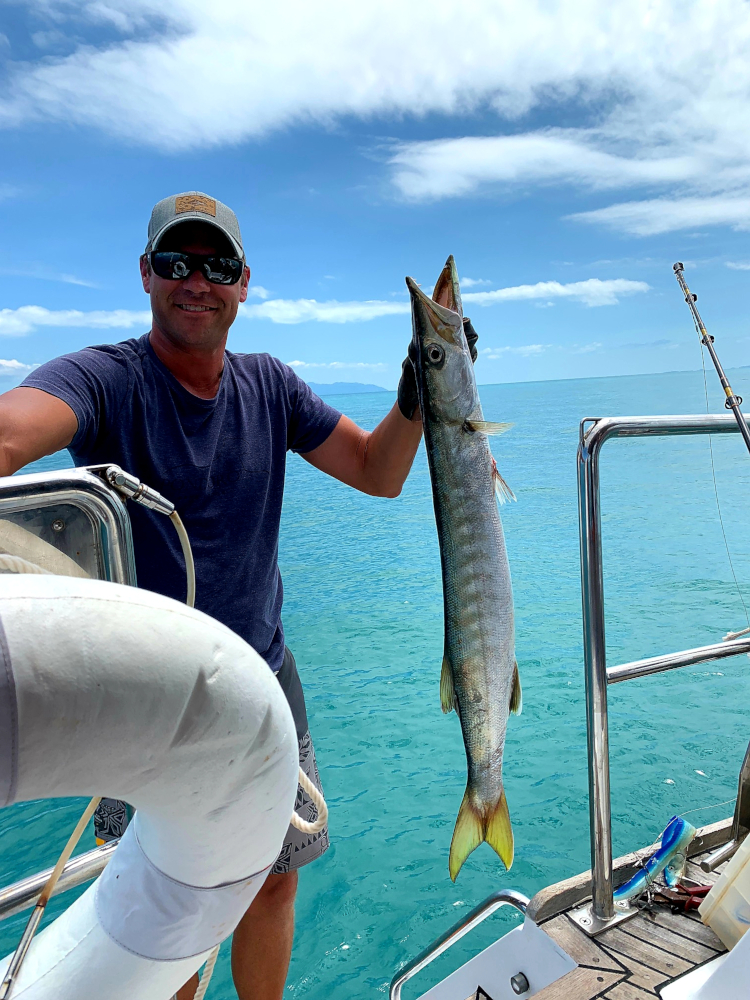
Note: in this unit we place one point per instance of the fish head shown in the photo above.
(440, 354)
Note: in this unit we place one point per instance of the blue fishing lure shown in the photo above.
(670, 858)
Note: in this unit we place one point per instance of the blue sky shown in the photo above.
(566, 154)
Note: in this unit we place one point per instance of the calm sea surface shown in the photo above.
(363, 614)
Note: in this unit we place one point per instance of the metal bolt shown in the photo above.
(519, 984)
(58, 524)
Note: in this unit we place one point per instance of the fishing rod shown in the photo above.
(733, 400)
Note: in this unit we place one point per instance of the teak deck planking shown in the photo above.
(633, 960)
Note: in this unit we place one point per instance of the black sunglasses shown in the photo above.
(176, 266)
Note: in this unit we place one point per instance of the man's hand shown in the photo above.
(408, 399)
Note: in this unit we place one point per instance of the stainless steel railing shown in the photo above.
(505, 897)
(594, 434)
(24, 894)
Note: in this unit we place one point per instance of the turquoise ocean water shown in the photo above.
(363, 614)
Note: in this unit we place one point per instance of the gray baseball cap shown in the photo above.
(193, 206)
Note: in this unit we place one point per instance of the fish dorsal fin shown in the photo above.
(486, 426)
(516, 698)
(447, 692)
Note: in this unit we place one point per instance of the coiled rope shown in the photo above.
(15, 564)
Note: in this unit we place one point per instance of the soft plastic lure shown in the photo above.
(670, 858)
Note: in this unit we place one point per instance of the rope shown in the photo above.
(208, 971)
(15, 564)
(318, 801)
(38, 911)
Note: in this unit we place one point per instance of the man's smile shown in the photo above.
(187, 307)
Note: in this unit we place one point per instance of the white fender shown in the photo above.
(109, 690)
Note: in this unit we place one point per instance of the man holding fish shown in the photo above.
(210, 429)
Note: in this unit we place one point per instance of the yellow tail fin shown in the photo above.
(475, 824)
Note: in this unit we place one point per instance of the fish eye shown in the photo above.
(435, 354)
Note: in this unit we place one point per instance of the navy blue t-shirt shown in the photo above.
(220, 461)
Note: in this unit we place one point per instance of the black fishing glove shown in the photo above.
(471, 338)
(408, 400)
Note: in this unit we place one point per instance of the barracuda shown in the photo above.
(479, 675)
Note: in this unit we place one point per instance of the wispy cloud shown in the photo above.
(450, 167)
(524, 350)
(474, 282)
(671, 119)
(532, 350)
(338, 364)
(290, 311)
(665, 215)
(21, 321)
(287, 312)
(258, 292)
(13, 368)
(737, 265)
(592, 292)
(40, 273)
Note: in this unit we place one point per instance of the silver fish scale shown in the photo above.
(479, 636)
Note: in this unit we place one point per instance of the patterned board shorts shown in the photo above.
(112, 817)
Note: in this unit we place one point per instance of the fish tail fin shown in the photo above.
(499, 834)
(476, 824)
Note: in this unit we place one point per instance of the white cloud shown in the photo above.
(532, 350)
(289, 311)
(592, 292)
(663, 98)
(337, 364)
(19, 322)
(40, 273)
(473, 282)
(737, 265)
(13, 368)
(524, 350)
(258, 292)
(445, 167)
(664, 215)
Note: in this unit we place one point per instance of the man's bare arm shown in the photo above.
(32, 424)
(375, 462)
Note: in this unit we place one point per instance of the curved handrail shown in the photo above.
(504, 897)
(24, 894)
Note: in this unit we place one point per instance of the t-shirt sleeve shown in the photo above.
(311, 420)
(93, 382)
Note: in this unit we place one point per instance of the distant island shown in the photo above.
(343, 388)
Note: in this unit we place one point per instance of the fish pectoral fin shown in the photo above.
(503, 492)
(447, 691)
(516, 697)
(486, 426)
(476, 824)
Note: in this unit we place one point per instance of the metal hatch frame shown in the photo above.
(603, 912)
(89, 492)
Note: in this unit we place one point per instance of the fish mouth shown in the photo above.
(446, 322)
(446, 291)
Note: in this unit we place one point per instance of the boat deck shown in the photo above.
(635, 959)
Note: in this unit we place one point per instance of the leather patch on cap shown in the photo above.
(194, 203)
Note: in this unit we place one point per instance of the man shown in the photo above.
(210, 430)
